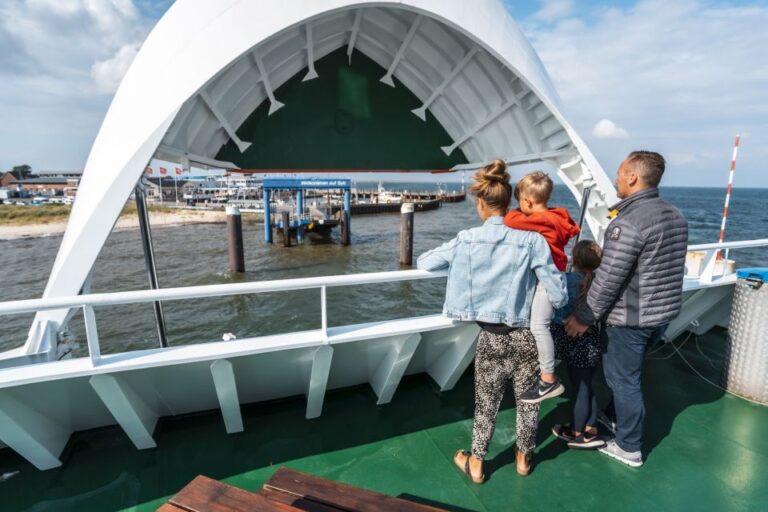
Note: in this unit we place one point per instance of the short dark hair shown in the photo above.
(649, 165)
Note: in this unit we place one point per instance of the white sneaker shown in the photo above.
(633, 459)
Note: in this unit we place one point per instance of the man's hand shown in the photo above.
(574, 328)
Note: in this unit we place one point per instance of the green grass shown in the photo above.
(15, 215)
(41, 214)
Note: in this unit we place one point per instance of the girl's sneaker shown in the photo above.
(541, 390)
(587, 441)
(563, 432)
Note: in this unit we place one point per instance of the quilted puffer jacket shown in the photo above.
(640, 280)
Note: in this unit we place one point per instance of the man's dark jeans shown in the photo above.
(623, 365)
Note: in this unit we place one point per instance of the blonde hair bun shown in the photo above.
(492, 185)
(496, 172)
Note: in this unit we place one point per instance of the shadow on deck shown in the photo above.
(704, 450)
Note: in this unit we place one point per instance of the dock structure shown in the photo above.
(411, 197)
(302, 220)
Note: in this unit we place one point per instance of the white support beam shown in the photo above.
(318, 381)
(390, 371)
(551, 132)
(132, 413)
(488, 120)
(312, 73)
(696, 307)
(525, 117)
(448, 368)
(225, 124)
(387, 79)
(353, 34)
(166, 152)
(226, 391)
(516, 160)
(31, 434)
(274, 105)
(421, 112)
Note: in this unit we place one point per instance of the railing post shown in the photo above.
(323, 311)
(92, 334)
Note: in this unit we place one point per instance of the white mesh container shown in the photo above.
(746, 361)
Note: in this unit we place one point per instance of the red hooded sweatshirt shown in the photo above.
(556, 225)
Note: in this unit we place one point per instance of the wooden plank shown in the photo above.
(168, 507)
(342, 496)
(299, 502)
(204, 494)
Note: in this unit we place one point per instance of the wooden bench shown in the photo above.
(287, 490)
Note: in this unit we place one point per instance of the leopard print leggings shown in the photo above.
(501, 358)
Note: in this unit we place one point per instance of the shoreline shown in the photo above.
(125, 222)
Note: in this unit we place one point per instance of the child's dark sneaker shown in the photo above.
(563, 432)
(587, 441)
(541, 390)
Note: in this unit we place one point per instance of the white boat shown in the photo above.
(175, 87)
(387, 197)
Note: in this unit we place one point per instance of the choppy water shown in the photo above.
(197, 255)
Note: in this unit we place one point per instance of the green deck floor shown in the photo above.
(705, 451)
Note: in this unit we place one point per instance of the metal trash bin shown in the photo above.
(746, 371)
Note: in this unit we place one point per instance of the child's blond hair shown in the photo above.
(536, 185)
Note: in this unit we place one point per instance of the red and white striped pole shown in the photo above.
(728, 197)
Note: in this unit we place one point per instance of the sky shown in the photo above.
(680, 77)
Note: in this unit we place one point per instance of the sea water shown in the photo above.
(193, 255)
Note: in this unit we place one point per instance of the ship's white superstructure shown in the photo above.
(207, 66)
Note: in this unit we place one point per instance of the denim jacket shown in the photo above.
(573, 282)
(493, 272)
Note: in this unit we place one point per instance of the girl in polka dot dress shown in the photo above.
(582, 354)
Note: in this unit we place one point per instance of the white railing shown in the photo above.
(91, 301)
(712, 256)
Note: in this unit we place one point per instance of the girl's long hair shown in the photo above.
(587, 256)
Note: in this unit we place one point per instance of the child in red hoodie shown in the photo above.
(557, 227)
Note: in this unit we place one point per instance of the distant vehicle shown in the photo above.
(39, 200)
(21, 203)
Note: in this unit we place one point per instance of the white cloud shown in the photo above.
(552, 10)
(607, 129)
(684, 77)
(60, 60)
(107, 74)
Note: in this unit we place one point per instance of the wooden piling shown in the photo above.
(235, 240)
(345, 228)
(406, 234)
(286, 220)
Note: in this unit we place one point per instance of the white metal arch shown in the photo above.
(208, 64)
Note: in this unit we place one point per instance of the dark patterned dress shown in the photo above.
(582, 352)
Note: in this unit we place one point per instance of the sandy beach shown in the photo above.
(157, 219)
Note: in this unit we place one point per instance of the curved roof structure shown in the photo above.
(209, 65)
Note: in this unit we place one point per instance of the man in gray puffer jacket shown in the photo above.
(637, 291)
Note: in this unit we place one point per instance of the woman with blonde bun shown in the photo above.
(492, 274)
